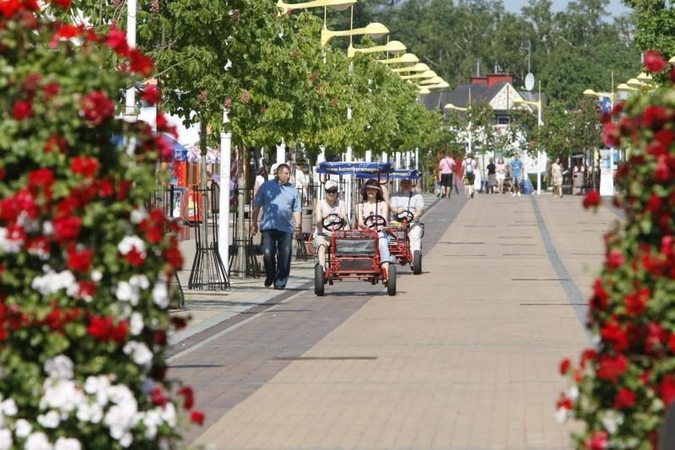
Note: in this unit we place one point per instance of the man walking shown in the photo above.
(516, 174)
(281, 206)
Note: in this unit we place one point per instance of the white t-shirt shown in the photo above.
(327, 210)
(407, 201)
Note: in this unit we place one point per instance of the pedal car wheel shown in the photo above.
(318, 280)
(417, 262)
(391, 280)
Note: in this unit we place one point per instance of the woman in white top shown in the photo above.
(371, 214)
(330, 216)
(260, 178)
(501, 175)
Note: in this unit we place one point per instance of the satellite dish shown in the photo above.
(529, 81)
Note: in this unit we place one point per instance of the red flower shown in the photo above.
(565, 365)
(610, 368)
(600, 299)
(84, 165)
(151, 94)
(41, 178)
(614, 259)
(158, 397)
(134, 257)
(598, 441)
(197, 417)
(140, 63)
(117, 40)
(67, 229)
(173, 257)
(564, 402)
(611, 133)
(615, 336)
(97, 107)
(662, 172)
(592, 200)
(56, 142)
(625, 398)
(80, 261)
(654, 116)
(654, 61)
(667, 389)
(636, 303)
(22, 110)
(188, 395)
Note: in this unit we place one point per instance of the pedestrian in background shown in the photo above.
(492, 176)
(501, 175)
(447, 167)
(469, 167)
(281, 208)
(516, 174)
(557, 178)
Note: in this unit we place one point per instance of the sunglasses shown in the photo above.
(332, 191)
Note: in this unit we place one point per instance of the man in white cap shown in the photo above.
(330, 215)
(406, 205)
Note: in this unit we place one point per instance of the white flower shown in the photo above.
(60, 367)
(49, 420)
(573, 392)
(611, 420)
(96, 275)
(136, 323)
(139, 281)
(160, 293)
(8, 407)
(47, 228)
(89, 412)
(37, 441)
(561, 415)
(169, 414)
(138, 215)
(151, 421)
(140, 353)
(23, 428)
(130, 242)
(130, 291)
(52, 282)
(5, 439)
(8, 245)
(126, 440)
(64, 443)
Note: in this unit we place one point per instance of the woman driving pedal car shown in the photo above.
(371, 215)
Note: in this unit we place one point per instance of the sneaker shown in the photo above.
(518, 194)
(513, 194)
(269, 281)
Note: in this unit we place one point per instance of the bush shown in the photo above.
(621, 387)
(84, 266)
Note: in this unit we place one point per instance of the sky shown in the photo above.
(616, 8)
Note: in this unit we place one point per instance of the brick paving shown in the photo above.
(465, 356)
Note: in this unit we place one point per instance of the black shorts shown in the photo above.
(446, 179)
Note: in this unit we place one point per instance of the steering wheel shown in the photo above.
(406, 215)
(333, 222)
(375, 220)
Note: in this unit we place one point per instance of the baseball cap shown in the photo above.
(330, 185)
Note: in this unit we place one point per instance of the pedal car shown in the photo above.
(398, 230)
(353, 253)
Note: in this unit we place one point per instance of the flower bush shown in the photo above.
(621, 386)
(84, 262)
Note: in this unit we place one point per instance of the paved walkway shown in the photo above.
(465, 356)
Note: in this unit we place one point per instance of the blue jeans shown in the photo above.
(276, 247)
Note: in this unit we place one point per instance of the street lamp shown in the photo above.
(419, 67)
(433, 80)
(374, 29)
(390, 47)
(440, 85)
(406, 58)
(339, 5)
(468, 128)
(538, 104)
(426, 74)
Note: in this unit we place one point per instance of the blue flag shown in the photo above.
(606, 104)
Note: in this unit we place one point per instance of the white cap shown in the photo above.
(330, 184)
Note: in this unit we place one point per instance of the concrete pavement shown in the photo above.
(465, 356)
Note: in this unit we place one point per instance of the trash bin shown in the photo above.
(578, 183)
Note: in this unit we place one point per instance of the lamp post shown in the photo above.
(538, 105)
(340, 5)
(419, 67)
(390, 47)
(429, 74)
(406, 58)
(130, 97)
(374, 30)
